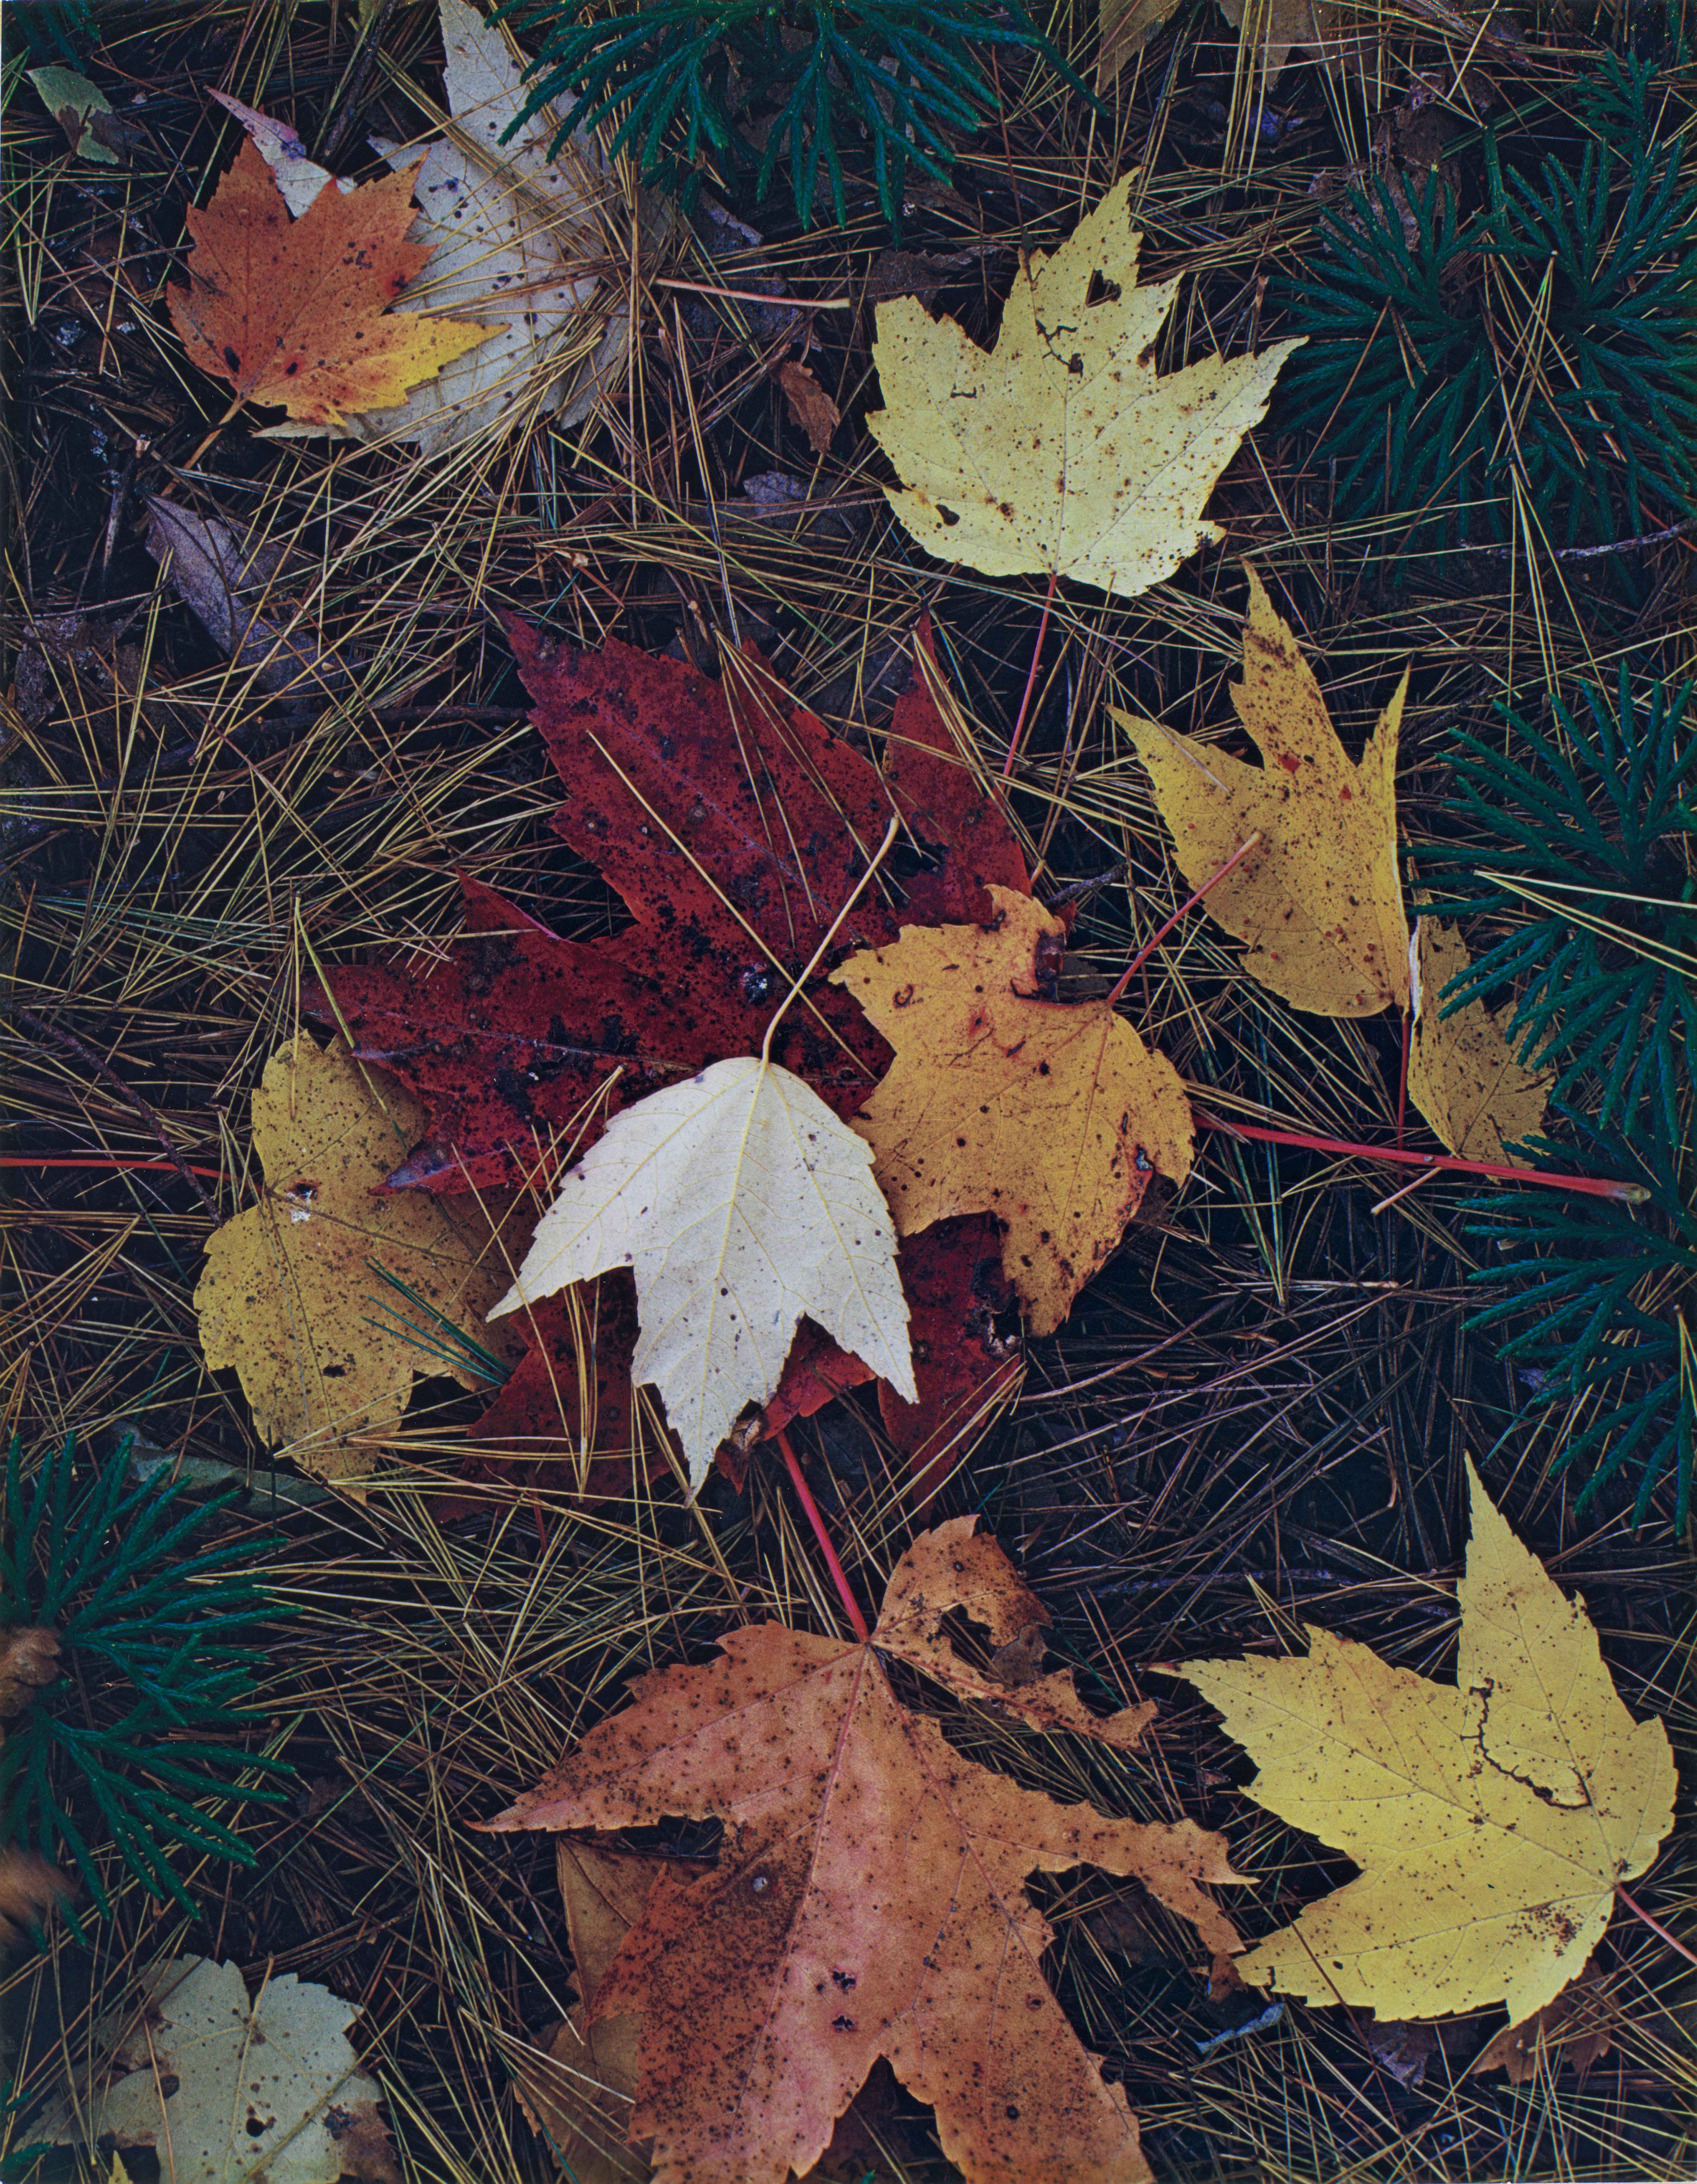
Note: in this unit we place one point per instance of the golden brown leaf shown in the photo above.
(289, 1297)
(1462, 1073)
(1572, 2030)
(1000, 1101)
(293, 311)
(1318, 900)
(868, 1900)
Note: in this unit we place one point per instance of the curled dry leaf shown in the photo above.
(29, 1889)
(293, 311)
(1491, 1819)
(1318, 901)
(1573, 2030)
(1462, 1073)
(810, 406)
(29, 1663)
(868, 1900)
(229, 2089)
(1063, 450)
(1052, 1118)
(739, 1201)
(289, 1297)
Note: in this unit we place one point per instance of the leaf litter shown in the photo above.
(1233, 1432)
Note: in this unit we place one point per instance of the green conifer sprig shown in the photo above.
(1594, 823)
(157, 1671)
(1582, 846)
(1552, 330)
(905, 77)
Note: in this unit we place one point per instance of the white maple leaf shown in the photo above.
(739, 1201)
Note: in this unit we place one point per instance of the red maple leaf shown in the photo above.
(733, 825)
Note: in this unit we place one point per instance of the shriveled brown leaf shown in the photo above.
(868, 1900)
(1573, 2029)
(29, 1663)
(29, 1889)
(809, 405)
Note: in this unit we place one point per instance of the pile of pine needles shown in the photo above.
(1256, 1417)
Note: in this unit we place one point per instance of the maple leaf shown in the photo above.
(1063, 450)
(514, 234)
(288, 1296)
(868, 1899)
(291, 311)
(1318, 901)
(230, 2089)
(1491, 1819)
(739, 1201)
(952, 1280)
(1052, 1118)
(1463, 1074)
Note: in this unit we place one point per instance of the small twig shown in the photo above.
(69, 1043)
(1592, 1186)
(1598, 552)
(1148, 947)
(831, 1563)
(1018, 735)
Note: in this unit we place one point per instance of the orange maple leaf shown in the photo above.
(291, 311)
(869, 1897)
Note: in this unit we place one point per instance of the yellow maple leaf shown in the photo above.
(296, 311)
(1318, 901)
(1063, 450)
(1491, 1819)
(1462, 1073)
(1000, 1101)
(289, 1297)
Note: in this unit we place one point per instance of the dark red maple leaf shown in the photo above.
(952, 1276)
(733, 825)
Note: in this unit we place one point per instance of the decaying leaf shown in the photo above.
(1462, 1073)
(1063, 450)
(868, 1900)
(1491, 1819)
(293, 311)
(1125, 28)
(1052, 1118)
(226, 2088)
(29, 1663)
(739, 1201)
(1280, 28)
(1318, 901)
(516, 237)
(1573, 2030)
(289, 1297)
(227, 582)
(809, 405)
(29, 1889)
(73, 101)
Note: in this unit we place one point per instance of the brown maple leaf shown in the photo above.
(291, 311)
(868, 1899)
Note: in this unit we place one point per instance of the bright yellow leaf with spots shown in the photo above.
(1318, 900)
(1000, 1101)
(1063, 450)
(291, 1299)
(1491, 1819)
(1462, 1073)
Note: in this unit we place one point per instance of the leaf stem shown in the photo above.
(159, 1167)
(831, 1563)
(1655, 1925)
(1018, 735)
(1148, 947)
(824, 947)
(1592, 1186)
